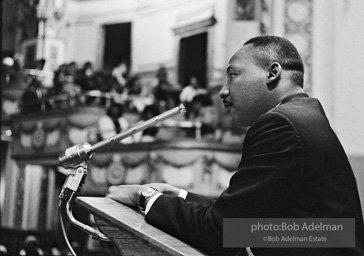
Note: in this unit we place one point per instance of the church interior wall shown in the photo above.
(337, 74)
(335, 62)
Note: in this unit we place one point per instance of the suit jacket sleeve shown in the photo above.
(271, 160)
(204, 200)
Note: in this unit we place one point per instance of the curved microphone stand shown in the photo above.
(75, 157)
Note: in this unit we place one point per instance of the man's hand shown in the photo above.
(125, 194)
(164, 188)
(130, 194)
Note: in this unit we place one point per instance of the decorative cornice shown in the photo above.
(195, 26)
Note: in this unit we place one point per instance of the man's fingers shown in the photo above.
(125, 194)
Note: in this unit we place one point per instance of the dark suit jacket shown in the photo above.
(292, 166)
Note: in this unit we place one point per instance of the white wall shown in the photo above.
(152, 24)
(338, 66)
(338, 76)
(349, 81)
(349, 75)
(85, 41)
(153, 40)
(323, 77)
(238, 32)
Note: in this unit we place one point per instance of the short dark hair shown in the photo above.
(281, 50)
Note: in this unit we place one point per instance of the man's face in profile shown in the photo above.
(245, 92)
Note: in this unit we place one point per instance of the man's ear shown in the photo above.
(274, 73)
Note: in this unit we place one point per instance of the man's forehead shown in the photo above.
(246, 51)
(243, 56)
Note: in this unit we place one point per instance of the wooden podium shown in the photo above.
(127, 228)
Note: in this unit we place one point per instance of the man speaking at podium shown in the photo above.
(292, 165)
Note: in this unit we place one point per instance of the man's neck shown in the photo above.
(293, 91)
(285, 90)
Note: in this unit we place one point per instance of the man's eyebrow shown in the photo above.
(228, 68)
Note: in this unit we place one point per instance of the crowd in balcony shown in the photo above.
(118, 92)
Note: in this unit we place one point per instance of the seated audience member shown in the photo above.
(18, 62)
(190, 91)
(208, 117)
(65, 91)
(120, 73)
(203, 112)
(150, 134)
(165, 92)
(31, 100)
(3, 250)
(199, 101)
(31, 247)
(134, 86)
(136, 95)
(7, 70)
(101, 82)
(293, 164)
(113, 123)
(84, 76)
(39, 64)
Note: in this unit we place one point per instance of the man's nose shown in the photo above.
(224, 92)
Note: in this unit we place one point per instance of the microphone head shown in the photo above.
(182, 108)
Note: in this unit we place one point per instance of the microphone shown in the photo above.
(80, 153)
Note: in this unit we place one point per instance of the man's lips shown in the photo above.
(227, 104)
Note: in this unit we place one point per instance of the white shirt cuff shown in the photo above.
(182, 193)
(151, 201)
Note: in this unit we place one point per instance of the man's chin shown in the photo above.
(240, 122)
